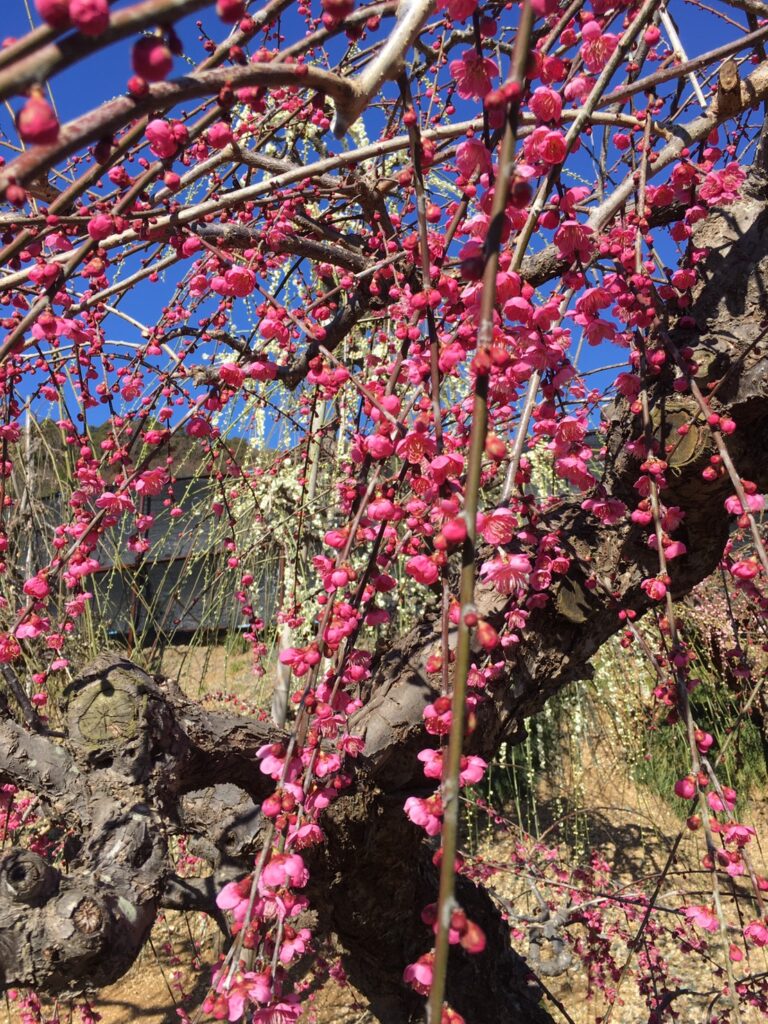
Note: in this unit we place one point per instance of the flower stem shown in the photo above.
(450, 782)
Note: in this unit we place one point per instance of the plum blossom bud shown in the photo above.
(744, 570)
(37, 588)
(54, 12)
(422, 569)
(656, 589)
(152, 59)
(272, 806)
(240, 280)
(162, 141)
(704, 740)
(138, 87)
(262, 369)
(232, 374)
(455, 530)
(686, 788)
(100, 227)
(486, 635)
(91, 17)
(472, 938)
(495, 448)
(230, 11)
(198, 427)
(37, 123)
(220, 135)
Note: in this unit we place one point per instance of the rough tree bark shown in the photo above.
(140, 760)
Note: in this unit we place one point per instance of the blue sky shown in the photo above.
(104, 74)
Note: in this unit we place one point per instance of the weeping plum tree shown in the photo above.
(415, 242)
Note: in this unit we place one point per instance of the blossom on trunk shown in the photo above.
(508, 573)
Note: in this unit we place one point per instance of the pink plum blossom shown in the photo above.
(472, 74)
(508, 573)
(419, 974)
(426, 813)
(756, 932)
(497, 526)
(701, 917)
(285, 869)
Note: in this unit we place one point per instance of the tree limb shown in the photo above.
(106, 119)
(46, 61)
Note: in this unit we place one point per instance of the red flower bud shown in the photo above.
(686, 788)
(152, 59)
(91, 17)
(230, 11)
(36, 122)
(495, 448)
(487, 636)
(54, 12)
(137, 87)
